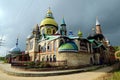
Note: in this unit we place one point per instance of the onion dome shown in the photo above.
(68, 47)
(80, 33)
(49, 20)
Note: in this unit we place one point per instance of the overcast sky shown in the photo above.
(18, 17)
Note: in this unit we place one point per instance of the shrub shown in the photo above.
(44, 65)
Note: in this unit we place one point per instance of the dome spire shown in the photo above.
(97, 21)
(17, 41)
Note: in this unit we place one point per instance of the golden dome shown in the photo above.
(48, 21)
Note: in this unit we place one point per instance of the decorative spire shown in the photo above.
(63, 22)
(49, 14)
(17, 41)
(97, 22)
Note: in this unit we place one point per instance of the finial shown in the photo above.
(63, 21)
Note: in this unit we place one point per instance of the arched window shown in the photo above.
(53, 31)
(50, 58)
(48, 31)
(54, 58)
(49, 47)
(47, 58)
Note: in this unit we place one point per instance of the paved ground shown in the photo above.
(77, 76)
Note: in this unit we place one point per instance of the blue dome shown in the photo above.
(15, 50)
(68, 47)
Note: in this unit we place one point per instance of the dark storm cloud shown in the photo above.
(20, 16)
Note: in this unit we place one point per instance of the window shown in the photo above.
(43, 48)
(50, 58)
(48, 31)
(47, 58)
(55, 45)
(83, 46)
(53, 31)
(31, 45)
(49, 47)
(54, 58)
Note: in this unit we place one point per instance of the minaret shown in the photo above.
(98, 28)
(63, 30)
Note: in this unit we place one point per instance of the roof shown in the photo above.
(49, 38)
(68, 47)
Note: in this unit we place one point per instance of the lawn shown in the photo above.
(115, 76)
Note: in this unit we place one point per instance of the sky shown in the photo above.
(18, 17)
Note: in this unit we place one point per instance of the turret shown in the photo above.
(63, 30)
(98, 28)
(36, 32)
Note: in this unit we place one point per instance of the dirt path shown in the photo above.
(78, 76)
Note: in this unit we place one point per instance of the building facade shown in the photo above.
(52, 44)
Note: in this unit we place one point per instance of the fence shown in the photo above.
(26, 63)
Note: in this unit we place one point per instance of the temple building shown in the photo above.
(50, 42)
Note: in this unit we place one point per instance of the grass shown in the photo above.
(115, 76)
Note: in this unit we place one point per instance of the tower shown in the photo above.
(48, 25)
(36, 32)
(63, 30)
(98, 27)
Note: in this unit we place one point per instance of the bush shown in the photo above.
(44, 65)
(30, 64)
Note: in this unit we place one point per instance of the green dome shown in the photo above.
(80, 34)
(68, 47)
